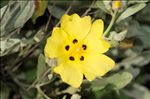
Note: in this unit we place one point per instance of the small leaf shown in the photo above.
(107, 4)
(39, 36)
(41, 67)
(102, 6)
(70, 90)
(56, 11)
(9, 46)
(119, 81)
(51, 62)
(64, 97)
(131, 10)
(75, 96)
(120, 36)
(40, 7)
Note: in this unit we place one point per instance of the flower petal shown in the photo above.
(94, 39)
(70, 73)
(55, 45)
(76, 26)
(97, 28)
(96, 45)
(96, 65)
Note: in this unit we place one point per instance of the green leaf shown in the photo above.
(9, 46)
(75, 96)
(131, 10)
(70, 90)
(41, 68)
(30, 75)
(138, 92)
(118, 80)
(142, 32)
(40, 7)
(17, 14)
(56, 11)
(136, 1)
(138, 60)
(100, 4)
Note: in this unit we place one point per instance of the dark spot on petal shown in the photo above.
(84, 47)
(81, 58)
(75, 41)
(67, 47)
(71, 58)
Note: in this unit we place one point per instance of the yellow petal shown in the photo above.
(96, 65)
(55, 45)
(94, 39)
(96, 45)
(70, 73)
(97, 28)
(75, 26)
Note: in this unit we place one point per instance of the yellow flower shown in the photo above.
(116, 4)
(79, 48)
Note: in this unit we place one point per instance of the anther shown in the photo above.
(84, 47)
(81, 58)
(71, 58)
(75, 41)
(67, 47)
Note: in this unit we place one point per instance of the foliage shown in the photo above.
(26, 73)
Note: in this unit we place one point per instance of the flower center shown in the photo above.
(76, 50)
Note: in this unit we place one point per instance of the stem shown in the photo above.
(41, 92)
(36, 80)
(110, 25)
(89, 9)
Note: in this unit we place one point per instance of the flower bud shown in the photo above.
(116, 4)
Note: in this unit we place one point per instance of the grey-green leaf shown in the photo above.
(119, 81)
(41, 67)
(56, 11)
(138, 59)
(100, 4)
(138, 92)
(16, 15)
(131, 10)
(8, 46)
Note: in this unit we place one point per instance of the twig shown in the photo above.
(19, 62)
(34, 83)
(46, 27)
(89, 9)
(22, 85)
(110, 25)
(67, 11)
(41, 92)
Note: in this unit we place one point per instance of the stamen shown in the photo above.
(75, 41)
(81, 58)
(67, 47)
(71, 58)
(84, 47)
